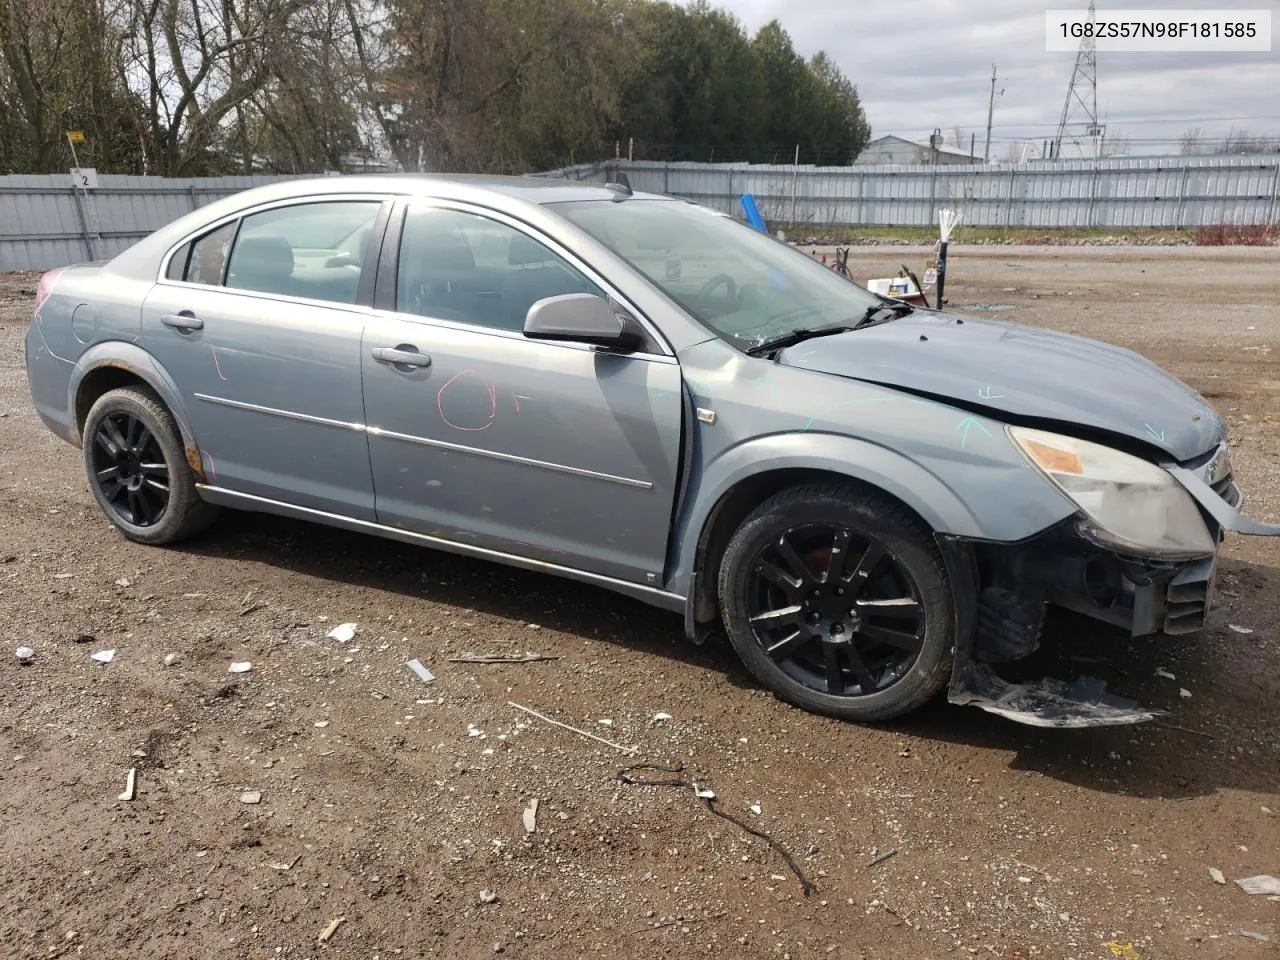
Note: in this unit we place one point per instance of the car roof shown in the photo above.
(540, 190)
(504, 193)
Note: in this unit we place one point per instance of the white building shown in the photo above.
(891, 149)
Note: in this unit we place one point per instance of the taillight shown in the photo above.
(45, 287)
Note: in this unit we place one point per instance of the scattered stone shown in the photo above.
(171, 658)
(755, 808)
(1184, 693)
(1260, 885)
(130, 785)
(659, 717)
(342, 632)
(1239, 629)
(703, 793)
(25, 654)
(605, 722)
(63, 576)
(85, 638)
(474, 731)
(530, 816)
(331, 929)
(240, 666)
(251, 796)
(282, 866)
(103, 656)
(123, 582)
(488, 896)
(1162, 672)
(322, 723)
(1217, 875)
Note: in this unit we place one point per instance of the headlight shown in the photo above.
(1131, 506)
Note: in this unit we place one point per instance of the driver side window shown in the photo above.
(460, 266)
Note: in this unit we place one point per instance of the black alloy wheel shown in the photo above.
(138, 468)
(129, 469)
(835, 610)
(835, 596)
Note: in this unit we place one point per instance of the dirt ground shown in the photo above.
(392, 804)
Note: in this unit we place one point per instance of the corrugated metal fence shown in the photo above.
(1158, 192)
(45, 222)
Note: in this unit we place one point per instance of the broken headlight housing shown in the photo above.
(1129, 505)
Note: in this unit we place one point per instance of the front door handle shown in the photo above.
(401, 356)
(182, 321)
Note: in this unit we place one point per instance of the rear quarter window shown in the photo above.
(178, 263)
(208, 261)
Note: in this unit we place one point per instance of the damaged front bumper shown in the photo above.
(1003, 591)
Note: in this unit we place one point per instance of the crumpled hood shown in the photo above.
(1023, 372)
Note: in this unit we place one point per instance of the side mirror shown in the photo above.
(580, 318)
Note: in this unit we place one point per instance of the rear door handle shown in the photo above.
(182, 321)
(400, 356)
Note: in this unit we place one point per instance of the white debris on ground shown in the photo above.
(130, 785)
(342, 632)
(1261, 885)
(530, 816)
(425, 675)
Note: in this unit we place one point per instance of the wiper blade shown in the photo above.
(883, 313)
(791, 338)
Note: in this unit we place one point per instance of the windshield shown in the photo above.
(743, 284)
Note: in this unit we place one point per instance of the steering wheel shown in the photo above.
(731, 287)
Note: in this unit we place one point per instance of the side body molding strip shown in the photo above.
(424, 441)
(244, 501)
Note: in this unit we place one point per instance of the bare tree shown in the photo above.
(194, 63)
(1243, 142)
(1114, 144)
(57, 73)
(1191, 142)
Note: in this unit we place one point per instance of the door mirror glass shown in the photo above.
(579, 318)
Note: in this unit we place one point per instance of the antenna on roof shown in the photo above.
(619, 184)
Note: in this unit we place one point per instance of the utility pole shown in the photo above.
(991, 104)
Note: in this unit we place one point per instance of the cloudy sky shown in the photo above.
(921, 64)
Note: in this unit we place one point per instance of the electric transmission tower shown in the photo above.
(1080, 111)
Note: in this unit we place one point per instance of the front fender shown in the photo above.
(847, 456)
(133, 359)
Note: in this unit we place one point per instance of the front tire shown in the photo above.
(137, 470)
(836, 598)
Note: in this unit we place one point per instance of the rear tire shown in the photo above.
(137, 469)
(836, 598)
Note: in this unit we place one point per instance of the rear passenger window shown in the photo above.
(311, 250)
(209, 255)
(464, 267)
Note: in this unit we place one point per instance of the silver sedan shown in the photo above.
(874, 502)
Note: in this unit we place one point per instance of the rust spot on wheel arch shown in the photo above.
(194, 461)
